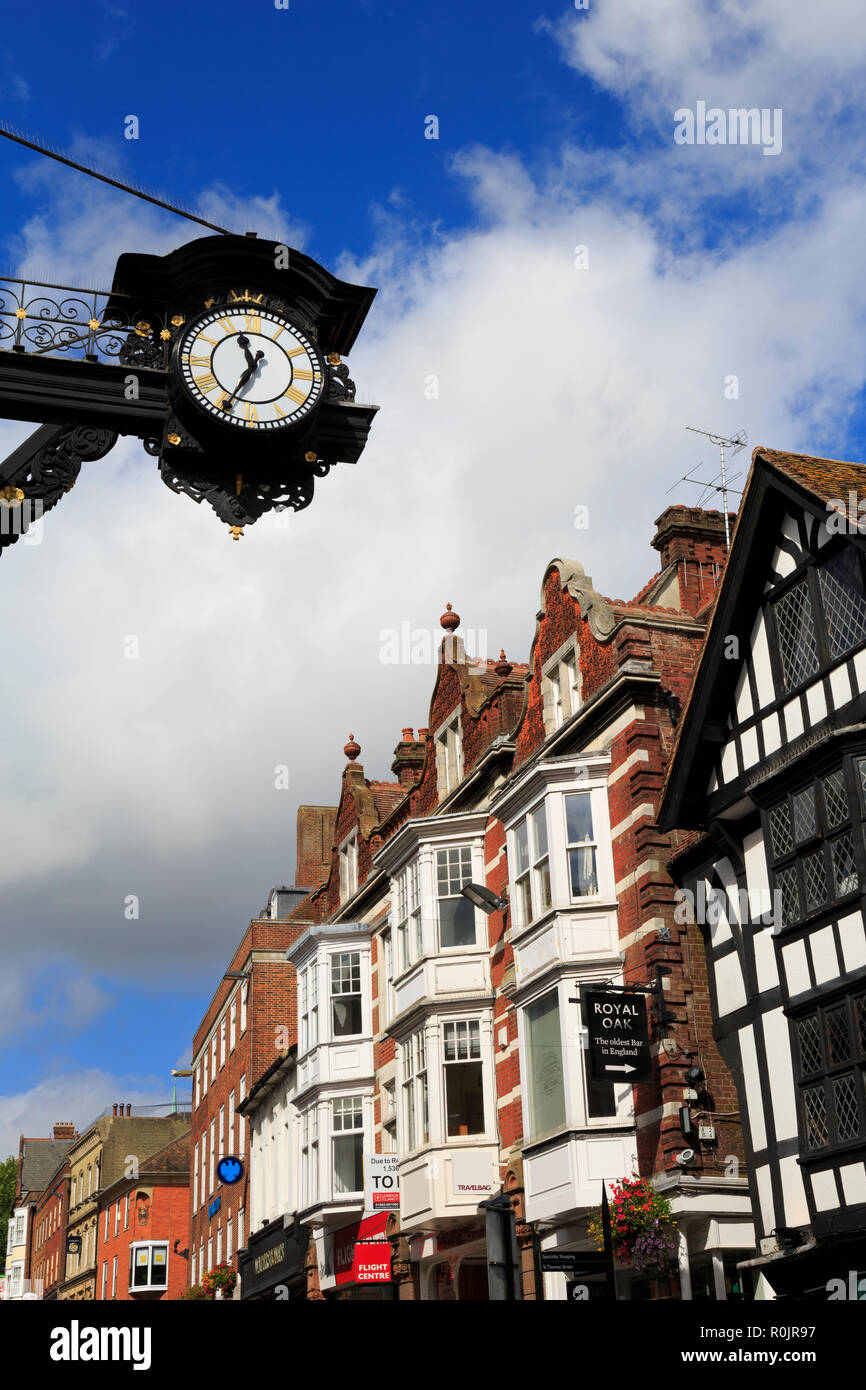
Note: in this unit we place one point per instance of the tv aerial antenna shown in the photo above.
(733, 445)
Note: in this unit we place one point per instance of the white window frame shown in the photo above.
(212, 1158)
(348, 855)
(407, 915)
(213, 1056)
(415, 1093)
(151, 1246)
(308, 1006)
(335, 996)
(593, 844)
(233, 1022)
(464, 852)
(345, 1108)
(448, 742)
(387, 943)
(194, 1180)
(230, 1127)
(473, 1028)
(223, 1027)
(561, 686)
(114, 1278)
(309, 1138)
(244, 998)
(528, 873)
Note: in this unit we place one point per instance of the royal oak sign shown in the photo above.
(617, 1037)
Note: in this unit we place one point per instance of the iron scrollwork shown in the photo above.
(47, 475)
(242, 502)
(77, 323)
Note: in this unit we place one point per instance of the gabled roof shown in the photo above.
(776, 481)
(40, 1160)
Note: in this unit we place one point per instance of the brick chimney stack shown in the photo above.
(316, 826)
(694, 540)
(409, 758)
(64, 1130)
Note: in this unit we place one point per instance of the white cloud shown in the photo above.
(77, 1097)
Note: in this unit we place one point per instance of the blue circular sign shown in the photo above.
(230, 1170)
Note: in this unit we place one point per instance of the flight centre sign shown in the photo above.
(617, 1037)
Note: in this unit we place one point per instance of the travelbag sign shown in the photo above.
(618, 1037)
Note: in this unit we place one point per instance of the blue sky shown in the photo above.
(561, 386)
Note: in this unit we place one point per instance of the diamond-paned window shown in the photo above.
(831, 1072)
(815, 878)
(841, 582)
(805, 820)
(814, 843)
(780, 826)
(797, 641)
(815, 1114)
(835, 799)
(845, 875)
(809, 1039)
(848, 1119)
(786, 881)
(838, 1034)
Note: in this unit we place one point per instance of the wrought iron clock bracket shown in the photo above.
(41, 470)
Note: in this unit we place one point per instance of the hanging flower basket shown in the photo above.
(194, 1294)
(643, 1231)
(221, 1277)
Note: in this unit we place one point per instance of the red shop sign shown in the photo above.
(361, 1253)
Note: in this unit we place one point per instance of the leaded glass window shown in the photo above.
(813, 846)
(831, 1062)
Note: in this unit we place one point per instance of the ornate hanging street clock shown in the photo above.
(225, 357)
(251, 370)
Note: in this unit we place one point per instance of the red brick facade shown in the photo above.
(150, 1208)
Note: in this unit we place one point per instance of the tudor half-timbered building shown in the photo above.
(769, 778)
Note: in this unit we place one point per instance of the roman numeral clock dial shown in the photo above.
(252, 371)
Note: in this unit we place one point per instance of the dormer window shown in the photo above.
(560, 687)
(449, 756)
(349, 867)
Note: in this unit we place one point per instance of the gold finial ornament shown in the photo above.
(176, 320)
(93, 323)
(334, 358)
(208, 303)
(11, 496)
(142, 328)
(20, 313)
(237, 532)
(164, 333)
(173, 438)
(310, 456)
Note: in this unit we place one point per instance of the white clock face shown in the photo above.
(249, 369)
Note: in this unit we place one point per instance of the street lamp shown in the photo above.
(483, 897)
